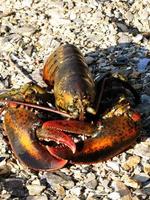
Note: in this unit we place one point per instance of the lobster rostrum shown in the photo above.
(93, 121)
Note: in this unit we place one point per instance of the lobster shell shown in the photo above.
(74, 88)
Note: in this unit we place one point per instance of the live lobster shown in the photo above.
(99, 110)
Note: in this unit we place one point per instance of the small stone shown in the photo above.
(72, 16)
(129, 16)
(71, 197)
(123, 38)
(14, 183)
(78, 175)
(113, 165)
(133, 198)
(26, 3)
(138, 86)
(143, 149)
(26, 30)
(135, 74)
(122, 27)
(89, 60)
(91, 181)
(145, 99)
(60, 191)
(131, 162)
(141, 177)
(35, 189)
(5, 170)
(36, 182)
(76, 191)
(138, 38)
(130, 182)
(5, 196)
(100, 188)
(146, 190)
(105, 182)
(63, 180)
(147, 168)
(121, 61)
(37, 197)
(143, 64)
(91, 197)
(122, 189)
(29, 50)
(114, 196)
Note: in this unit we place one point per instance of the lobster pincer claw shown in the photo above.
(22, 93)
(47, 133)
(116, 135)
(20, 127)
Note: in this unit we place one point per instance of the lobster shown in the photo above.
(93, 121)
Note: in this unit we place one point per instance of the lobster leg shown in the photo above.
(107, 81)
(19, 125)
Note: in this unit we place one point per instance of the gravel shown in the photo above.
(113, 36)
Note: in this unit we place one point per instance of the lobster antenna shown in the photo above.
(38, 107)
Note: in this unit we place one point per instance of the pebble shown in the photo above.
(147, 168)
(60, 191)
(143, 64)
(14, 183)
(135, 75)
(130, 182)
(131, 162)
(129, 16)
(146, 191)
(121, 61)
(141, 178)
(91, 181)
(4, 170)
(123, 38)
(89, 60)
(75, 191)
(122, 27)
(138, 86)
(145, 99)
(114, 196)
(138, 38)
(54, 179)
(113, 165)
(35, 189)
(72, 16)
(91, 197)
(122, 189)
(142, 150)
(37, 197)
(71, 197)
(25, 30)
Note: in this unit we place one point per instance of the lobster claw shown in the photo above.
(20, 126)
(116, 135)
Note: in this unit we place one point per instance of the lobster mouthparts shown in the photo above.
(18, 125)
